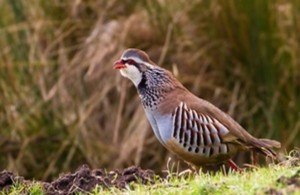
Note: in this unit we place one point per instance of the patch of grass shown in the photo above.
(281, 178)
(33, 188)
(256, 181)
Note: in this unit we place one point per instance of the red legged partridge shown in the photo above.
(194, 129)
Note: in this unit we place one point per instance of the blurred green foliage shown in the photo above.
(62, 104)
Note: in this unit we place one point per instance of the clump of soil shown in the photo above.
(292, 184)
(7, 179)
(294, 180)
(85, 180)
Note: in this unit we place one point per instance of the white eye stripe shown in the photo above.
(138, 61)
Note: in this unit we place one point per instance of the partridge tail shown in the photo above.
(270, 143)
(265, 146)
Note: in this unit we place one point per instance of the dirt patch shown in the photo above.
(7, 179)
(85, 179)
(294, 180)
(292, 184)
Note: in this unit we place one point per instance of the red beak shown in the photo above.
(119, 65)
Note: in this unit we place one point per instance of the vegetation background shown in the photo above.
(62, 104)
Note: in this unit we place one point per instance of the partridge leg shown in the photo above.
(254, 157)
(234, 166)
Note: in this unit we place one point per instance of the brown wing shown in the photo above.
(237, 134)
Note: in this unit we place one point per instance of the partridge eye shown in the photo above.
(130, 61)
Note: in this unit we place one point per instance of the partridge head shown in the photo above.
(193, 128)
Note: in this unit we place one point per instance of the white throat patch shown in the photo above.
(131, 72)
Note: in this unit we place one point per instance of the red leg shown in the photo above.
(233, 166)
(254, 157)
